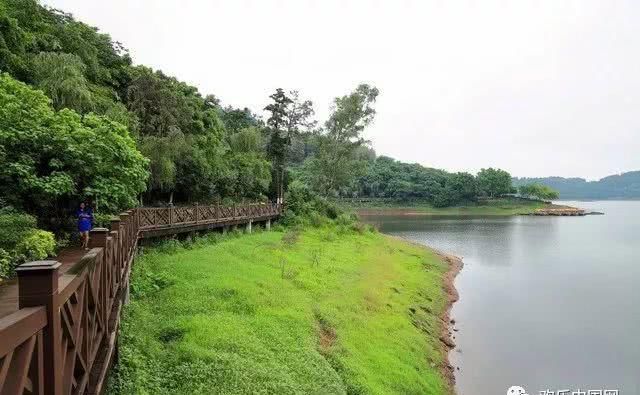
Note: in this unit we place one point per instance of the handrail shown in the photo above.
(167, 217)
(61, 340)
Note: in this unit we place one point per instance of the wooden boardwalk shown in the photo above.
(9, 289)
(59, 319)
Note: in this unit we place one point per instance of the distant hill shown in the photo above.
(619, 186)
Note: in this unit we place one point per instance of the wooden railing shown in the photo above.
(62, 337)
(162, 217)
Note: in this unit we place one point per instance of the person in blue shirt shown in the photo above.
(85, 221)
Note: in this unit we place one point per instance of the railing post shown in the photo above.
(171, 215)
(98, 237)
(196, 213)
(117, 250)
(38, 286)
(126, 238)
(114, 265)
(234, 211)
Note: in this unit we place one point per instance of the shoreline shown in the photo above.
(455, 265)
(466, 212)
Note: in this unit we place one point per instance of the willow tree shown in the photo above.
(62, 77)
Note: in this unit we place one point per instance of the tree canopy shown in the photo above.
(84, 122)
(47, 155)
(494, 182)
(538, 191)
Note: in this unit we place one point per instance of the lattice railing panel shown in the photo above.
(147, 217)
(21, 352)
(183, 214)
(82, 320)
(207, 213)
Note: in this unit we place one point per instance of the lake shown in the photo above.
(546, 303)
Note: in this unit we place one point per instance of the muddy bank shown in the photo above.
(455, 265)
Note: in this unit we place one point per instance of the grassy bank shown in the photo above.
(329, 310)
(493, 207)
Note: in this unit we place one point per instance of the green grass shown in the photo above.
(324, 311)
(494, 207)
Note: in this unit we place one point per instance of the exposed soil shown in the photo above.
(455, 265)
(326, 335)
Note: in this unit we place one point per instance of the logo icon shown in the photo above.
(516, 390)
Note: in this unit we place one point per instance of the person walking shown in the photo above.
(85, 221)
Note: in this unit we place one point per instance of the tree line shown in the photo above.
(79, 121)
(98, 127)
(616, 186)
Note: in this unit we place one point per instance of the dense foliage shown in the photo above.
(48, 157)
(538, 191)
(385, 177)
(21, 241)
(618, 186)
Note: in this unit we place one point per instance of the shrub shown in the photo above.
(6, 268)
(13, 227)
(37, 244)
(21, 241)
(304, 206)
(102, 220)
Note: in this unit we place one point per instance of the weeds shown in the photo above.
(316, 256)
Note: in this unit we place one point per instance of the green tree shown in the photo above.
(176, 127)
(336, 164)
(61, 77)
(538, 191)
(49, 159)
(494, 182)
(288, 115)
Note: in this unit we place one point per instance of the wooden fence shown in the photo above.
(61, 339)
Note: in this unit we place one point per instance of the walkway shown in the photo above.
(9, 289)
(64, 338)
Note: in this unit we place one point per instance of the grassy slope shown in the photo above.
(220, 318)
(491, 207)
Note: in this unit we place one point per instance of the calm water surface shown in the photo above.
(545, 302)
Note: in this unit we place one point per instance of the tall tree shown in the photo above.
(336, 163)
(289, 115)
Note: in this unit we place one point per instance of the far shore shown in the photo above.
(493, 207)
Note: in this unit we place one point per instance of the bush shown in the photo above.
(13, 227)
(21, 241)
(102, 220)
(304, 206)
(6, 267)
(36, 245)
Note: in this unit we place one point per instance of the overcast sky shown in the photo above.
(537, 88)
